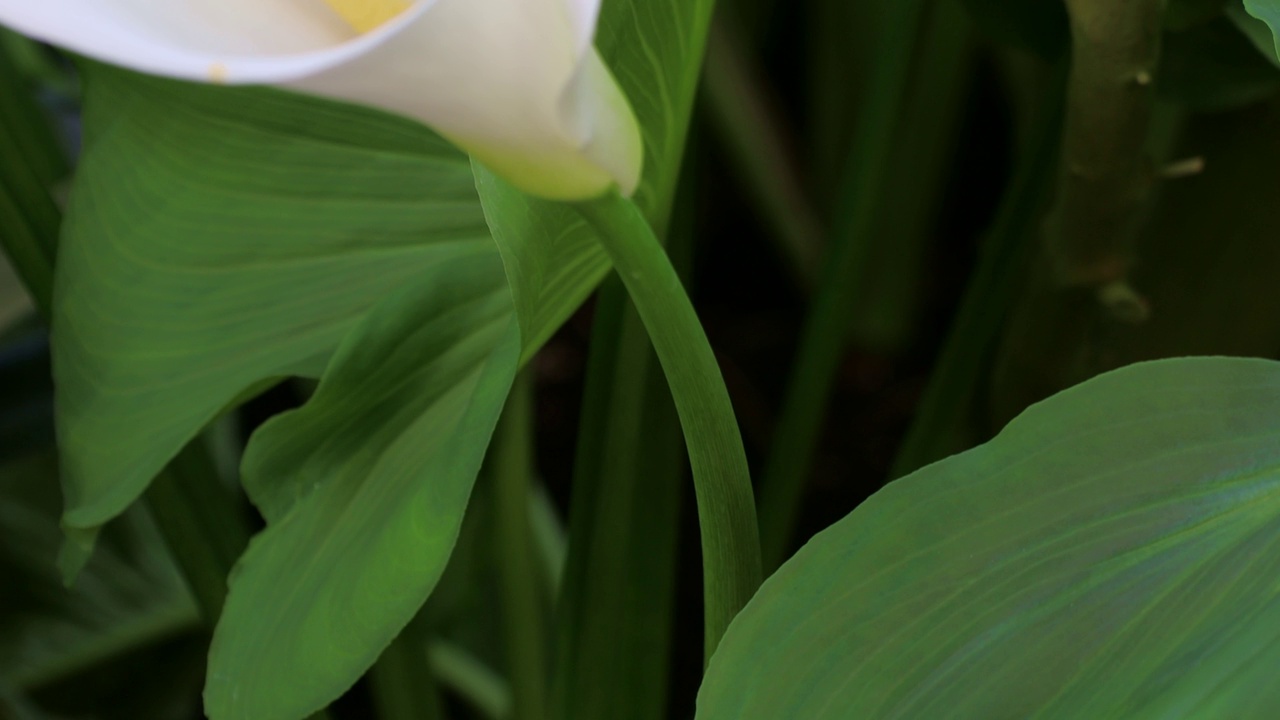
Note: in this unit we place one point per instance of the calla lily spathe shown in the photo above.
(517, 83)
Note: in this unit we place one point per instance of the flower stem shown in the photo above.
(722, 481)
(616, 608)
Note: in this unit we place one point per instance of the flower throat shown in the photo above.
(367, 15)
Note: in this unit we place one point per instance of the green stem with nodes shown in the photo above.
(1106, 177)
(722, 480)
(1078, 286)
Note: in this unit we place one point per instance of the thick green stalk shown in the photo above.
(523, 617)
(722, 481)
(1079, 286)
(1106, 177)
(617, 603)
(937, 430)
(822, 340)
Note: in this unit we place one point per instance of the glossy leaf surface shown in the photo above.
(1111, 554)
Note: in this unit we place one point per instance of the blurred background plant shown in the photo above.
(861, 219)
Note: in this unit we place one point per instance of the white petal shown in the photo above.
(183, 38)
(583, 15)
(505, 80)
(514, 82)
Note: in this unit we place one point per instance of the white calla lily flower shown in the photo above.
(516, 83)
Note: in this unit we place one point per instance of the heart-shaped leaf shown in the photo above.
(1111, 554)
(220, 237)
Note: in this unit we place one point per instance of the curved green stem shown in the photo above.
(722, 481)
(616, 608)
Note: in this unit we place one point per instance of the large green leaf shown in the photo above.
(1112, 554)
(220, 237)
(1256, 31)
(364, 489)
(1259, 21)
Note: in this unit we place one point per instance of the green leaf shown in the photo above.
(1257, 31)
(552, 259)
(220, 237)
(1111, 554)
(364, 490)
(655, 49)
